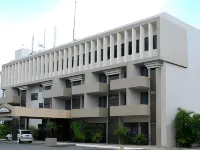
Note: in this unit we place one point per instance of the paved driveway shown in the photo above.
(12, 146)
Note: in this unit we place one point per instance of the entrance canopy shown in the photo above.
(7, 110)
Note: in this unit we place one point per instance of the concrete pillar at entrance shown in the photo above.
(15, 125)
(26, 123)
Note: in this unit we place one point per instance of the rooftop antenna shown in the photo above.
(32, 43)
(54, 41)
(74, 21)
(44, 39)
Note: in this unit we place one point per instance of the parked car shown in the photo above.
(22, 136)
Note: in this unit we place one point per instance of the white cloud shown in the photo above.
(93, 16)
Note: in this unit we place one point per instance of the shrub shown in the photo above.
(4, 130)
(121, 133)
(78, 130)
(140, 139)
(187, 129)
(97, 137)
(34, 131)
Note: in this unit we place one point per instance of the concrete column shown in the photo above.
(50, 64)
(38, 68)
(34, 69)
(141, 41)
(69, 60)
(15, 74)
(126, 46)
(80, 57)
(42, 67)
(86, 55)
(60, 62)
(119, 42)
(150, 35)
(12, 74)
(19, 72)
(46, 65)
(92, 54)
(105, 48)
(30, 70)
(65, 62)
(22, 73)
(98, 52)
(15, 126)
(55, 64)
(133, 44)
(5, 76)
(81, 102)
(75, 58)
(111, 49)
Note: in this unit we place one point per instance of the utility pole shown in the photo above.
(74, 21)
(32, 43)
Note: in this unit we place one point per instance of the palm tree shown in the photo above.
(50, 128)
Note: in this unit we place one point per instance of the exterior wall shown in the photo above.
(21, 53)
(1, 92)
(181, 87)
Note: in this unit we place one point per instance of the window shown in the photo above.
(68, 84)
(155, 42)
(114, 77)
(101, 54)
(122, 49)
(72, 62)
(62, 63)
(95, 56)
(48, 67)
(144, 98)
(75, 83)
(103, 101)
(67, 105)
(102, 78)
(47, 102)
(34, 96)
(144, 71)
(83, 59)
(67, 62)
(40, 105)
(108, 53)
(26, 132)
(89, 57)
(130, 48)
(146, 43)
(78, 60)
(57, 65)
(137, 46)
(47, 87)
(115, 51)
(40, 88)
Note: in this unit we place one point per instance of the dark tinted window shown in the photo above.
(57, 65)
(101, 54)
(103, 101)
(26, 132)
(72, 62)
(68, 84)
(67, 105)
(53, 67)
(95, 56)
(130, 48)
(67, 62)
(122, 49)
(115, 51)
(47, 87)
(144, 71)
(137, 46)
(102, 78)
(83, 59)
(75, 83)
(78, 60)
(41, 88)
(144, 98)
(34, 96)
(62, 63)
(40, 105)
(89, 57)
(47, 103)
(108, 53)
(146, 43)
(114, 77)
(155, 42)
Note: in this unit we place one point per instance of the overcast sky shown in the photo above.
(20, 19)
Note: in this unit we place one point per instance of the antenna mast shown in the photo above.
(74, 21)
(44, 39)
(32, 43)
(54, 42)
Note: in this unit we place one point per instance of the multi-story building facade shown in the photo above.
(136, 75)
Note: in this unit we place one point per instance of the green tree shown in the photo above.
(140, 139)
(78, 130)
(34, 131)
(4, 129)
(50, 128)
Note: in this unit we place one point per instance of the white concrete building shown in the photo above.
(136, 75)
(21, 53)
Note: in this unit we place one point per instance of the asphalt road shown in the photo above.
(12, 146)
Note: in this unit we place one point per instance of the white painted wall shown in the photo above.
(182, 87)
(34, 104)
(0, 86)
